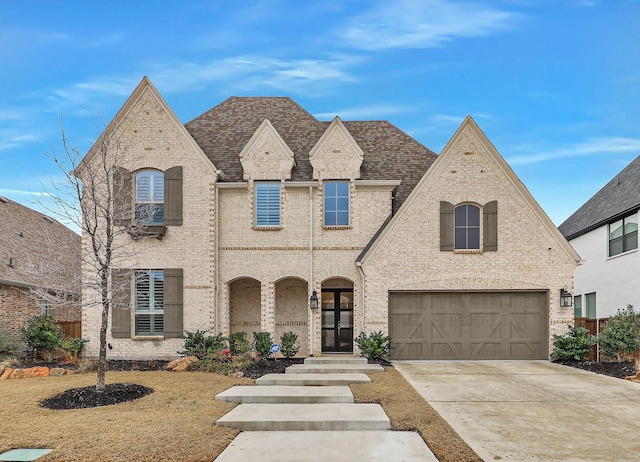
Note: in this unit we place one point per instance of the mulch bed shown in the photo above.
(619, 370)
(86, 397)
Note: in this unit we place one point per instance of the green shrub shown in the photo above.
(42, 335)
(374, 346)
(238, 343)
(9, 346)
(289, 345)
(575, 344)
(201, 345)
(620, 336)
(262, 342)
(74, 346)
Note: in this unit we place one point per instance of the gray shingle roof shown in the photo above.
(389, 153)
(43, 252)
(617, 198)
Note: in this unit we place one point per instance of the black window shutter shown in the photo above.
(173, 302)
(121, 303)
(122, 197)
(446, 226)
(490, 226)
(173, 196)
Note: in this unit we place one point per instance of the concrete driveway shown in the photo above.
(532, 410)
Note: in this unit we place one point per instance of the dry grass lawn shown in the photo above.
(408, 411)
(176, 422)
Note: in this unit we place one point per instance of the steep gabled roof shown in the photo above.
(617, 198)
(223, 131)
(509, 175)
(37, 251)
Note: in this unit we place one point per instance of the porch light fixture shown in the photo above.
(313, 301)
(566, 298)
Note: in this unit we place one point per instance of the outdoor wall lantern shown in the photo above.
(313, 301)
(566, 298)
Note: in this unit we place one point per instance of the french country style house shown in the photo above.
(249, 211)
(604, 231)
(39, 268)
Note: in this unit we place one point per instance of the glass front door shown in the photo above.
(337, 320)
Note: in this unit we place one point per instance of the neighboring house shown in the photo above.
(604, 232)
(39, 268)
(254, 207)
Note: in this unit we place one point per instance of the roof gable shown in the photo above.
(464, 142)
(36, 250)
(336, 154)
(266, 153)
(617, 198)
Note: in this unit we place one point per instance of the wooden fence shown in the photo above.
(594, 326)
(72, 329)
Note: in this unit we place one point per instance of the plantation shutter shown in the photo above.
(173, 196)
(446, 226)
(173, 302)
(490, 226)
(122, 198)
(267, 204)
(121, 303)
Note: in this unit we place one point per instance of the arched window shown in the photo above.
(150, 197)
(467, 227)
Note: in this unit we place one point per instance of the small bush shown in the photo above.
(74, 346)
(262, 342)
(200, 345)
(9, 346)
(221, 366)
(238, 343)
(289, 345)
(42, 335)
(575, 344)
(620, 336)
(374, 346)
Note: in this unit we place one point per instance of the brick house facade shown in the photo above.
(263, 206)
(37, 255)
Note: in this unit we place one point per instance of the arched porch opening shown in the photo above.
(244, 306)
(337, 315)
(292, 311)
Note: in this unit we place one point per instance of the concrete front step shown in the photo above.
(287, 394)
(306, 417)
(333, 368)
(312, 379)
(377, 446)
(335, 360)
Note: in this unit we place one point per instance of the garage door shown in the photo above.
(469, 325)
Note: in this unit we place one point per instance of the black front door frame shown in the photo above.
(341, 337)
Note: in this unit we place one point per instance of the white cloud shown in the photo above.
(374, 111)
(423, 24)
(603, 145)
(10, 139)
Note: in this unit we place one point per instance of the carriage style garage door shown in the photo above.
(469, 325)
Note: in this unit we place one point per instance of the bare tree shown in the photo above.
(90, 198)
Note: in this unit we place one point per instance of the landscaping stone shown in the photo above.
(6, 373)
(58, 371)
(37, 371)
(182, 364)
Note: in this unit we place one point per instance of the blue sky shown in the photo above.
(555, 85)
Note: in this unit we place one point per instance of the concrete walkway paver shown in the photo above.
(532, 410)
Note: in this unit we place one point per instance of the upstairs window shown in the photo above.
(467, 227)
(267, 203)
(149, 315)
(336, 203)
(623, 235)
(150, 197)
(577, 306)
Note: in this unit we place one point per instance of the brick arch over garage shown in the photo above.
(244, 305)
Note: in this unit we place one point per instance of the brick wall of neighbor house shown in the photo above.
(528, 256)
(17, 307)
(272, 255)
(153, 140)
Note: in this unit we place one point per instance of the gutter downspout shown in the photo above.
(362, 279)
(216, 260)
(310, 287)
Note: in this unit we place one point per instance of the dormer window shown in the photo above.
(149, 197)
(336, 203)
